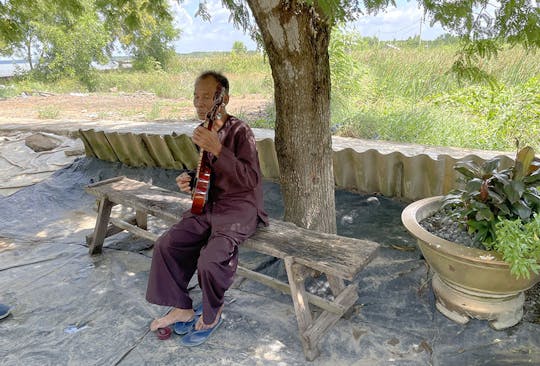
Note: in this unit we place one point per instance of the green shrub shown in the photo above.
(499, 204)
(519, 244)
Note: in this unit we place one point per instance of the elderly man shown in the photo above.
(208, 242)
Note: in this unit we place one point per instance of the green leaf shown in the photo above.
(468, 168)
(524, 158)
(532, 198)
(522, 210)
(519, 245)
(514, 190)
(504, 210)
(484, 214)
(497, 198)
(501, 177)
(473, 185)
(490, 166)
(532, 178)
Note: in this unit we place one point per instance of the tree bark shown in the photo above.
(296, 38)
(28, 45)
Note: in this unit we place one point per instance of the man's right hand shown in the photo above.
(183, 181)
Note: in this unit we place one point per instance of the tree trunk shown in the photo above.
(296, 40)
(28, 45)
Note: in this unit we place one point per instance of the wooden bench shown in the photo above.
(303, 251)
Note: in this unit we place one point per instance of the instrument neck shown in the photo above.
(217, 123)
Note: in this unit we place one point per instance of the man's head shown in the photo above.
(205, 88)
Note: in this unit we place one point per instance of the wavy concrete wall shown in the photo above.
(392, 174)
(397, 175)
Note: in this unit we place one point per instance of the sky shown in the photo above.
(219, 34)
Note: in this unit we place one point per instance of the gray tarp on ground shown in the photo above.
(73, 309)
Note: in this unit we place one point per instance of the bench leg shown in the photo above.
(102, 222)
(111, 230)
(337, 285)
(296, 275)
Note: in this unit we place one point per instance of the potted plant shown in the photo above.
(500, 210)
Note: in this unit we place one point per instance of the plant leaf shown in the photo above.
(524, 158)
(532, 178)
(504, 210)
(473, 186)
(483, 211)
(468, 168)
(502, 177)
(522, 210)
(514, 190)
(532, 197)
(490, 166)
(497, 198)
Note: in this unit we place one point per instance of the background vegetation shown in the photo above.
(398, 91)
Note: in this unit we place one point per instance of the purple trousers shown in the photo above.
(195, 244)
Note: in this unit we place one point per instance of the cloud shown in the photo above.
(182, 19)
(219, 34)
(399, 22)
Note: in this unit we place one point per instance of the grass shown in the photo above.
(248, 74)
(154, 113)
(48, 113)
(405, 95)
(413, 98)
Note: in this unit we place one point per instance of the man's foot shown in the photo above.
(175, 315)
(200, 325)
(196, 337)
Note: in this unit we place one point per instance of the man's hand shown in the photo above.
(207, 140)
(183, 181)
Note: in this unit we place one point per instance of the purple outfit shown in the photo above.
(209, 242)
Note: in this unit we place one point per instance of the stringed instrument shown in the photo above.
(202, 185)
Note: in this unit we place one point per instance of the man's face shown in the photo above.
(203, 96)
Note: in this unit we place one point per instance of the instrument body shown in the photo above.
(204, 172)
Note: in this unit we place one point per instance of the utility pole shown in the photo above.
(420, 35)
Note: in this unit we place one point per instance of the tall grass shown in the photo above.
(405, 94)
(412, 97)
(248, 74)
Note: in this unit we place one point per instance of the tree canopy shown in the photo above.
(63, 37)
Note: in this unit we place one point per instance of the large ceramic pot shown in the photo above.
(467, 282)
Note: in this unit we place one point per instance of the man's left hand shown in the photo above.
(207, 140)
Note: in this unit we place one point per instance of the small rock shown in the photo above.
(373, 201)
(40, 142)
(74, 152)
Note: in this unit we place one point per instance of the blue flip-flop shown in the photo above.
(198, 310)
(198, 337)
(182, 328)
(4, 311)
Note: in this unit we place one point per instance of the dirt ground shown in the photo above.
(140, 106)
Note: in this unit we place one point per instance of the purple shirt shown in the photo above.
(235, 194)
